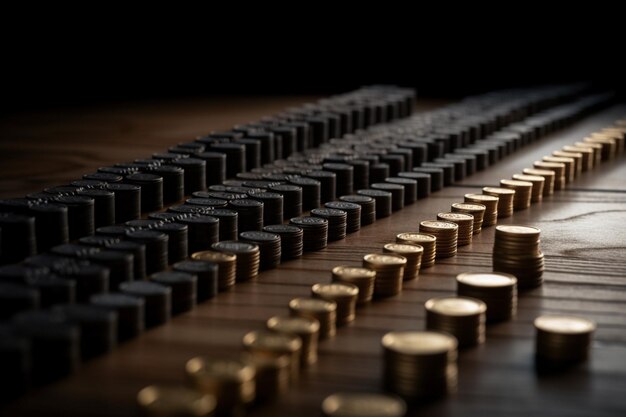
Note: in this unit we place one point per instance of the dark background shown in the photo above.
(445, 54)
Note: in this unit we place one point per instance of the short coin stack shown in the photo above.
(362, 278)
(291, 239)
(315, 232)
(345, 295)
(337, 221)
(491, 207)
(355, 404)
(227, 267)
(174, 401)
(537, 182)
(563, 339)
(476, 210)
(556, 167)
(269, 247)
(420, 364)
(272, 375)
(497, 290)
(323, 311)
(248, 257)
(389, 273)
(516, 252)
(427, 241)
(465, 223)
(505, 200)
(265, 343)
(308, 329)
(462, 317)
(546, 174)
(447, 234)
(523, 192)
(413, 255)
(353, 214)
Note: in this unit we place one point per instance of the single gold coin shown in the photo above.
(469, 206)
(403, 248)
(516, 183)
(455, 217)
(356, 404)
(500, 191)
(335, 290)
(529, 178)
(293, 325)
(564, 324)
(456, 306)
(481, 197)
(221, 369)
(538, 172)
(384, 260)
(213, 256)
(415, 237)
(433, 224)
(353, 272)
(316, 305)
(518, 230)
(271, 341)
(159, 401)
(419, 342)
(487, 279)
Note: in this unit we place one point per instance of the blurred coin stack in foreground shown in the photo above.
(308, 329)
(389, 273)
(362, 404)
(413, 255)
(321, 310)
(563, 339)
(345, 295)
(362, 278)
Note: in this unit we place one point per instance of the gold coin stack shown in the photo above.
(413, 255)
(344, 295)
(159, 401)
(505, 200)
(615, 132)
(248, 257)
(231, 381)
(546, 174)
(420, 364)
(465, 223)
(427, 241)
(273, 344)
(516, 252)
(523, 192)
(595, 147)
(537, 182)
(496, 289)
(585, 152)
(307, 328)
(491, 207)
(447, 234)
(363, 404)
(569, 171)
(462, 317)
(227, 267)
(389, 273)
(363, 278)
(475, 209)
(325, 312)
(272, 375)
(558, 169)
(576, 156)
(609, 145)
(563, 339)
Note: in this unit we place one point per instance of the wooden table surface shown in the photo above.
(583, 239)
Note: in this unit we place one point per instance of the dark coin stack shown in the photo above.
(250, 213)
(465, 223)
(207, 273)
(397, 193)
(353, 214)
(383, 201)
(203, 231)
(523, 192)
(291, 240)
(292, 199)
(337, 222)
(315, 232)
(537, 182)
(345, 295)
(325, 312)
(184, 288)
(475, 210)
(311, 192)
(505, 196)
(420, 364)
(516, 252)
(272, 206)
(412, 253)
(410, 188)
(428, 243)
(389, 273)
(447, 236)
(226, 264)
(228, 223)
(368, 207)
(496, 289)
(491, 207)
(157, 299)
(269, 247)
(462, 317)
(362, 278)
(248, 257)
(562, 340)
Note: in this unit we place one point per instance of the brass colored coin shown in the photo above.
(569, 325)
(528, 178)
(516, 183)
(315, 305)
(213, 256)
(455, 217)
(499, 191)
(222, 369)
(387, 260)
(403, 248)
(456, 306)
(487, 279)
(469, 206)
(363, 405)
(419, 342)
(293, 325)
(353, 272)
(415, 237)
(175, 401)
(481, 197)
(335, 290)
(271, 341)
(518, 230)
(433, 224)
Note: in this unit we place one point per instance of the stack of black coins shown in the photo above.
(98, 328)
(114, 231)
(183, 286)
(250, 214)
(215, 167)
(269, 246)
(253, 152)
(52, 289)
(235, 157)
(173, 182)
(378, 172)
(248, 257)
(361, 173)
(142, 224)
(410, 188)
(130, 312)
(292, 197)
(273, 204)
(15, 363)
(353, 215)
(157, 299)
(207, 203)
(436, 177)
(72, 250)
(151, 190)
(138, 251)
(15, 298)
(121, 265)
(337, 220)
(383, 201)
(291, 239)
(104, 205)
(206, 273)
(315, 232)
(127, 201)
(203, 231)
(328, 182)
(345, 177)
(90, 278)
(423, 182)
(51, 225)
(368, 207)
(397, 193)
(195, 173)
(156, 248)
(178, 240)
(311, 192)
(228, 223)
(104, 177)
(80, 214)
(98, 241)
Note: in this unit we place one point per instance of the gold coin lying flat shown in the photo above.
(180, 401)
(564, 324)
(363, 405)
(487, 279)
(456, 306)
(419, 342)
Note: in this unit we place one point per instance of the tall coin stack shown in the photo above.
(497, 290)
(475, 209)
(505, 200)
(491, 207)
(516, 252)
(523, 192)
(465, 223)
(420, 364)
(447, 234)
(427, 241)
(563, 339)
(462, 317)
(362, 278)
(413, 255)
(389, 273)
